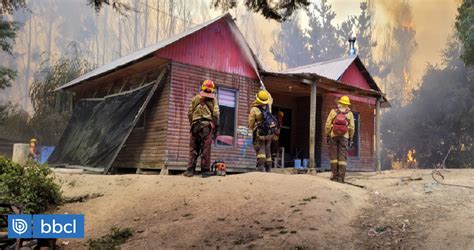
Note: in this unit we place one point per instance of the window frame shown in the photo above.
(236, 116)
(357, 130)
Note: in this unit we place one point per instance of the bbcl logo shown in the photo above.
(19, 226)
(46, 226)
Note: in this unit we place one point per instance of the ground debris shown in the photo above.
(81, 198)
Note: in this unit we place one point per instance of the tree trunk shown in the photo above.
(120, 36)
(145, 29)
(171, 22)
(97, 42)
(135, 38)
(28, 65)
(105, 35)
(157, 38)
(50, 32)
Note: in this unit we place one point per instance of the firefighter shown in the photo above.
(339, 133)
(33, 151)
(275, 140)
(261, 130)
(203, 115)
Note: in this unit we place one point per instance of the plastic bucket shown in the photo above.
(297, 163)
(305, 163)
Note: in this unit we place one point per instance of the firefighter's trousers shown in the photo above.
(200, 145)
(338, 157)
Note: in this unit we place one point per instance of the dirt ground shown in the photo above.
(395, 210)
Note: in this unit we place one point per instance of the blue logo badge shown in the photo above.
(19, 226)
(46, 226)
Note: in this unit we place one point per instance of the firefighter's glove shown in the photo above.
(351, 143)
(328, 140)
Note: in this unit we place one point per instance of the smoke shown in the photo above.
(432, 23)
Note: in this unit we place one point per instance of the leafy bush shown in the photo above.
(116, 237)
(30, 186)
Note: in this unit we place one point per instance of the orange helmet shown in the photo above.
(208, 88)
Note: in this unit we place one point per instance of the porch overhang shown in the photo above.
(299, 84)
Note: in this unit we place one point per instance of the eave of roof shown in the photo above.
(338, 85)
(335, 69)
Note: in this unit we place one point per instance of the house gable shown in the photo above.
(219, 46)
(354, 77)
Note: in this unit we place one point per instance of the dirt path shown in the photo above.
(417, 214)
(278, 210)
(247, 210)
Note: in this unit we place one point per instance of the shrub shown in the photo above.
(116, 237)
(30, 186)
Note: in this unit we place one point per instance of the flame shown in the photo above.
(407, 86)
(411, 158)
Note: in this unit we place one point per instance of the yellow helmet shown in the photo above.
(344, 100)
(263, 97)
(208, 86)
(207, 89)
(33, 140)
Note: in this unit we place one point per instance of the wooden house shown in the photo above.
(153, 132)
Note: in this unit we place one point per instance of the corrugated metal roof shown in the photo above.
(143, 53)
(332, 69)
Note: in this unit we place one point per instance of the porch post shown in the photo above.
(377, 136)
(312, 128)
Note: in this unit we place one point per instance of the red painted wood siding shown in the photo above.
(365, 160)
(213, 47)
(185, 82)
(353, 76)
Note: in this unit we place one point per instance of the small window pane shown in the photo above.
(227, 104)
(226, 98)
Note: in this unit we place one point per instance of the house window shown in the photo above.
(227, 106)
(354, 151)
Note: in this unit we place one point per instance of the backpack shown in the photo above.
(340, 124)
(268, 126)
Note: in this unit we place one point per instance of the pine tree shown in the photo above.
(8, 31)
(324, 38)
(290, 47)
(464, 26)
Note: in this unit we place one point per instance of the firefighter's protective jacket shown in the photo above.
(350, 118)
(255, 117)
(203, 109)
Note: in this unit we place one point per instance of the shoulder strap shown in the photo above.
(201, 101)
(263, 108)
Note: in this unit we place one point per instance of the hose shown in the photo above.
(437, 172)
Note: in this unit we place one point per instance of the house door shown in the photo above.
(285, 133)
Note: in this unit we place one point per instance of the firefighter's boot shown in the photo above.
(334, 176)
(189, 172)
(206, 173)
(342, 174)
(268, 166)
(261, 164)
